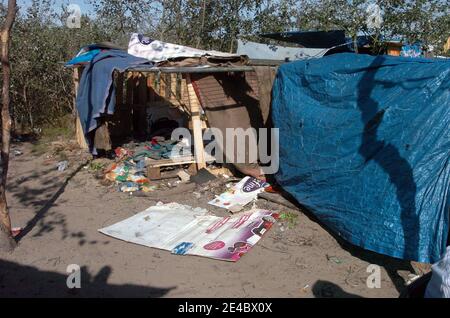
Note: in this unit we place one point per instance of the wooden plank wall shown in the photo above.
(137, 91)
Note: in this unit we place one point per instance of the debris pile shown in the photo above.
(129, 176)
(129, 172)
(158, 148)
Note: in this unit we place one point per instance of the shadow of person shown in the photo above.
(324, 289)
(18, 280)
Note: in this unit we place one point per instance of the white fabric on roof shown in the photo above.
(158, 51)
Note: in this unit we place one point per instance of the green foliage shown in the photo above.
(63, 129)
(118, 18)
(96, 166)
(42, 90)
(290, 218)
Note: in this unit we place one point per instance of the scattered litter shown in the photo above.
(156, 149)
(184, 176)
(121, 153)
(334, 259)
(15, 231)
(184, 230)
(240, 194)
(271, 189)
(197, 195)
(148, 188)
(129, 187)
(17, 153)
(117, 173)
(63, 165)
(128, 176)
(129, 171)
(412, 278)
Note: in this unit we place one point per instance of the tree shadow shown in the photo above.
(400, 173)
(388, 157)
(390, 264)
(17, 280)
(43, 212)
(29, 196)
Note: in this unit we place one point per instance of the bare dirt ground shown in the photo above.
(62, 211)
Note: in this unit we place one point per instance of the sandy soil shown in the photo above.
(62, 211)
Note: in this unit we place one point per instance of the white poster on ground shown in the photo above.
(186, 231)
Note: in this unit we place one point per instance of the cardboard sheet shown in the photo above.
(187, 231)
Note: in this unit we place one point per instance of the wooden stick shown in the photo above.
(119, 90)
(196, 124)
(143, 90)
(79, 134)
(150, 84)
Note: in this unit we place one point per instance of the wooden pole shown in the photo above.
(173, 89)
(6, 241)
(150, 86)
(81, 139)
(119, 90)
(143, 90)
(196, 124)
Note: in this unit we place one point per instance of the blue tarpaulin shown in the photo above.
(96, 94)
(365, 146)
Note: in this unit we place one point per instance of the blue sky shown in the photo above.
(86, 8)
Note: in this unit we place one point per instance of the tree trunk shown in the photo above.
(6, 241)
(199, 36)
(163, 28)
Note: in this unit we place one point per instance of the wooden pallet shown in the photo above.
(154, 166)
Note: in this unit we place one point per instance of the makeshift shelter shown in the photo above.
(207, 87)
(365, 146)
(364, 140)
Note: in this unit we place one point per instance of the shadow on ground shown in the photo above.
(390, 264)
(323, 289)
(28, 197)
(25, 281)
